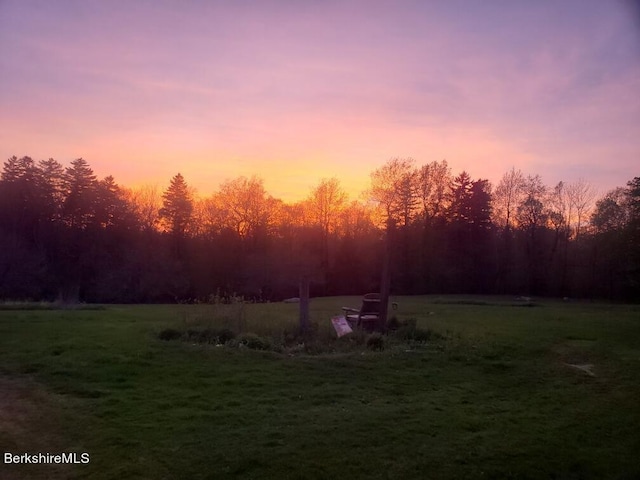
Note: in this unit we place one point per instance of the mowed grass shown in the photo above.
(494, 395)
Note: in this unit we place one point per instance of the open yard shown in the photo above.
(497, 390)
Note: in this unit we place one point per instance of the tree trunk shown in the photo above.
(385, 281)
(304, 303)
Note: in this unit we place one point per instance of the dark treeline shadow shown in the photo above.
(66, 235)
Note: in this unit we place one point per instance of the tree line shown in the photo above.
(67, 235)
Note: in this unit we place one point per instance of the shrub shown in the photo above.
(413, 334)
(224, 335)
(422, 336)
(393, 324)
(254, 342)
(210, 335)
(408, 331)
(169, 334)
(314, 348)
(291, 337)
(217, 336)
(375, 341)
(192, 335)
(358, 337)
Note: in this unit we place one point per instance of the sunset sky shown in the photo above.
(294, 91)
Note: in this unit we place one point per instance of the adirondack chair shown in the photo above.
(368, 315)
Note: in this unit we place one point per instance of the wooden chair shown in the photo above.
(368, 315)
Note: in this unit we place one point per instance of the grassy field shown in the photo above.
(499, 391)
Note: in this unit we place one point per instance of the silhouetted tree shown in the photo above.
(394, 187)
(324, 204)
(612, 212)
(616, 242)
(469, 216)
(52, 188)
(460, 199)
(580, 196)
(243, 205)
(434, 180)
(22, 264)
(64, 233)
(79, 184)
(484, 269)
(177, 207)
(146, 202)
(506, 198)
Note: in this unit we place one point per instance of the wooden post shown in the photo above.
(304, 303)
(385, 280)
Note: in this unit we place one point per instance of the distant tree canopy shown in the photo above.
(65, 234)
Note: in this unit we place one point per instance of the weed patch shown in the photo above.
(169, 334)
(253, 342)
(216, 336)
(408, 331)
(375, 341)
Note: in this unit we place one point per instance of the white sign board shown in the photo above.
(341, 326)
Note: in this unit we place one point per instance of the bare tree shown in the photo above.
(434, 180)
(394, 187)
(558, 207)
(506, 198)
(146, 201)
(558, 212)
(531, 212)
(356, 220)
(243, 205)
(581, 196)
(325, 203)
(200, 224)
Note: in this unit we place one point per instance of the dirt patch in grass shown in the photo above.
(30, 423)
(577, 354)
(586, 368)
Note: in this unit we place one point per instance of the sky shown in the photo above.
(294, 91)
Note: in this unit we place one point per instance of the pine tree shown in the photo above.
(177, 207)
(80, 189)
(460, 207)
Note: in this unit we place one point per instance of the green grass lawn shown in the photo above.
(492, 395)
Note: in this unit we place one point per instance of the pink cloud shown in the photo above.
(295, 92)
